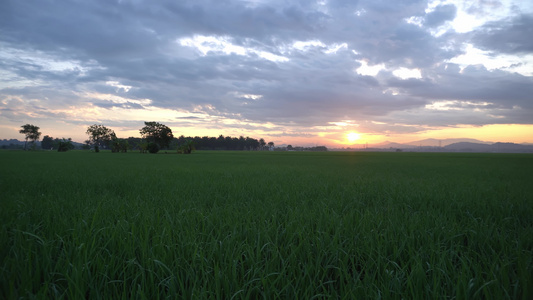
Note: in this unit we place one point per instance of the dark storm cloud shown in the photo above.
(137, 44)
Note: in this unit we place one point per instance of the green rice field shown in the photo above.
(268, 225)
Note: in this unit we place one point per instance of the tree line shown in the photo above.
(32, 135)
(154, 137)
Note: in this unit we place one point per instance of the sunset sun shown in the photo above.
(353, 136)
(319, 79)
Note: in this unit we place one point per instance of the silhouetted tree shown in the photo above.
(64, 145)
(87, 145)
(100, 135)
(32, 133)
(152, 147)
(186, 147)
(220, 142)
(143, 146)
(157, 133)
(119, 145)
(47, 143)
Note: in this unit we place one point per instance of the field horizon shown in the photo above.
(240, 225)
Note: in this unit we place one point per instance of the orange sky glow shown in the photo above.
(341, 74)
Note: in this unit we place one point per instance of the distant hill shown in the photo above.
(455, 145)
(14, 143)
(427, 143)
(444, 142)
(496, 147)
(11, 141)
(11, 144)
(469, 147)
(387, 145)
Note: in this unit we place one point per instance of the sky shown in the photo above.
(330, 72)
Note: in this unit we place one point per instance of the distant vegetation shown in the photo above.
(32, 134)
(271, 225)
(99, 136)
(154, 137)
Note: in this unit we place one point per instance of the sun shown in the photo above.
(353, 136)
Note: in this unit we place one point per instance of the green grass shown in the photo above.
(270, 225)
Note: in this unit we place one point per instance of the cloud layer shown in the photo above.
(275, 68)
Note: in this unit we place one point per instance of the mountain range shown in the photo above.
(431, 143)
(456, 145)
(450, 145)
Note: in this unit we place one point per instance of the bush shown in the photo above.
(119, 145)
(153, 148)
(187, 147)
(64, 145)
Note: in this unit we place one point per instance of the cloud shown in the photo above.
(284, 68)
(507, 36)
(440, 15)
(127, 105)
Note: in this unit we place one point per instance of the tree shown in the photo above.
(262, 143)
(152, 147)
(65, 145)
(157, 133)
(187, 147)
(251, 144)
(87, 145)
(270, 146)
(100, 135)
(143, 146)
(32, 133)
(47, 143)
(119, 145)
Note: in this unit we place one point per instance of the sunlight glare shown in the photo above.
(353, 136)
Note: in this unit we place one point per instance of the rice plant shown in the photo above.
(272, 225)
